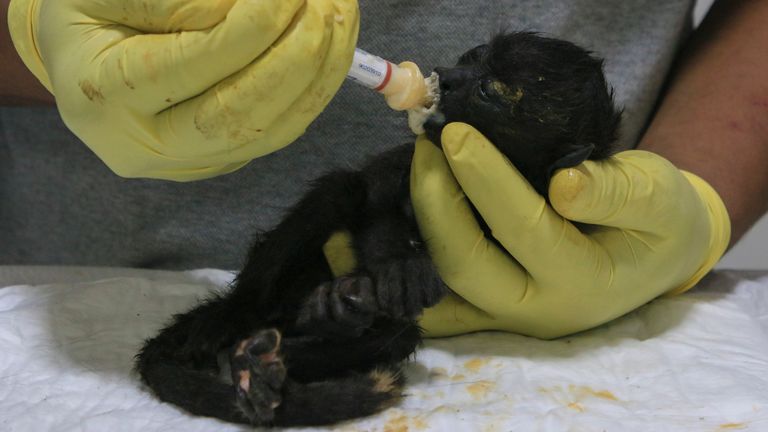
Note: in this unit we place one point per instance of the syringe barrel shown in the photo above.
(369, 70)
(402, 85)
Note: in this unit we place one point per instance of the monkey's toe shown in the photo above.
(258, 374)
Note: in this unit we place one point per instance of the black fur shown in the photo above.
(305, 348)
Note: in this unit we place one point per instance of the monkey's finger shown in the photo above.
(423, 288)
(390, 290)
(519, 218)
(473, 267)
(263, 398)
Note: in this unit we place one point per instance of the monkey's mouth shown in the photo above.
(433, 126)
(435, 121)
(418, 117)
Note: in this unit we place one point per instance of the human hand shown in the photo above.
(653, 230)
(186, 89)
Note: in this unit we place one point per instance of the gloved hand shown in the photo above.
(186, 89)
(654, 230)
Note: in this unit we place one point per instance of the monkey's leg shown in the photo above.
(342, 200)
(280, 273)
(194, 338)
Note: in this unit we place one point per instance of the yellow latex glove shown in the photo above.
(186, 89)
(656, 230)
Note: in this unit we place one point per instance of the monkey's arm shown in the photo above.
(713, 121)
(382, 266)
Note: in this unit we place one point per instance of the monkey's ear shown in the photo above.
(575, 156)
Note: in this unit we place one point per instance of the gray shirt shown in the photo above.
(60, 205)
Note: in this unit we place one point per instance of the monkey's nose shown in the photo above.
(452, 78)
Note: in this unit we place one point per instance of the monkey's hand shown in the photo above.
(186, 89)
(396, 287)
(347, 306)
(405, 287)
(653, 230)
(340, 309)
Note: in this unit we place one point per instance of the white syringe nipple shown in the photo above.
(418, 115)
(406, 88)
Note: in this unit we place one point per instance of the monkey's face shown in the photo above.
(470, 94)
(542, 102)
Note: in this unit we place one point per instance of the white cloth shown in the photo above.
(697, 362)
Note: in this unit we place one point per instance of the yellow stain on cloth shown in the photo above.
(480, 389)
(732, 426)
(574, 397)
(402, 423)
(476, 364)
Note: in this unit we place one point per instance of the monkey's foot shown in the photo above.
(340, 309)
(258, 374)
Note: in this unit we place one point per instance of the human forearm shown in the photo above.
(18, 86)
(713, 121)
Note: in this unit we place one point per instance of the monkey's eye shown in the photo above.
(485, 90)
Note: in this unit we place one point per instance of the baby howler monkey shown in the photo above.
(303, 347)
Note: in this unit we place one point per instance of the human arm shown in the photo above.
(186, 89)
(713, 120)
(18, 86)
